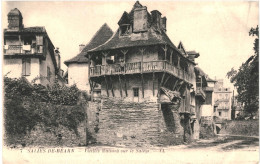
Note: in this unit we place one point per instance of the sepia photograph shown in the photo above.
(130, 81)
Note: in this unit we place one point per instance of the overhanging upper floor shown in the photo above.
(140, 67)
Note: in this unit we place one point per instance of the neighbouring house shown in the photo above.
(205, 104)
(223, 96)
(78, 66)
(29, 52)
(148, 85)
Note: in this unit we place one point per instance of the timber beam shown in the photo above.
(120, 85)
(106, 86)
(142, 84)
(158, 94)
(112, 86)
(125, 86)
(153, 82)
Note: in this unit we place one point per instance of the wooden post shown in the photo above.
(153, 82)
(160, 84)
(106, 85)
(105, 55)
(120, 85)
(142, 52)
(178, 62)
(124, 52)
(166, 80)
(171, 56)
(112, 86)
(181, 83)
(175, 84)
(125, 87)
(142, 85)
(165, 52)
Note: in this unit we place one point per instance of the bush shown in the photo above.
(29, 105)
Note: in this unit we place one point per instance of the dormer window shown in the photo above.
(124, 29)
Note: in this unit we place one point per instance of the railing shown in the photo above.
(22, 49)
(130, 68)
(199, 91)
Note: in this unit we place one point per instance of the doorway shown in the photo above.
(136, 94)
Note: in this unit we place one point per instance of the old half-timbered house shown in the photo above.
(139, 64)
(29, 52)
(78, 65)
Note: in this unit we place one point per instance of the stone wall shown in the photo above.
(131, 124)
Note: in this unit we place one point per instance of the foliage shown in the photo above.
(246, 78)
(28, 105)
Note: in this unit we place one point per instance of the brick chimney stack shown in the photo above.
(156, 19)
(163, 23)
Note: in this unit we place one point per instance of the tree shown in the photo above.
(246, 78)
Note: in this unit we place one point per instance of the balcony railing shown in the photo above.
(138, 67)
(200, 92)
(22, 49)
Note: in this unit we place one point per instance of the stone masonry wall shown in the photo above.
(133, 124)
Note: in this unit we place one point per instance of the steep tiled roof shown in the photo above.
(199, 71)
(101, 36)
(151, 38)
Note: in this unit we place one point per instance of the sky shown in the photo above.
(218, 30)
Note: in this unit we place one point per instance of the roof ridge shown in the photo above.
(104, 25)
(106, 41)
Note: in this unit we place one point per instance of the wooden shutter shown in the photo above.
(26, 67)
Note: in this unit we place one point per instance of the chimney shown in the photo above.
(81, 47)
(191, 57)
(156, 19)
(140, 23)
(163, 24)
(15, 20)
(57, 57)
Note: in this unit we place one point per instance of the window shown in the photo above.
(136, 92)
(27, 41)
(26, 67)
(219, 113)
(125, 29)
(39, 43)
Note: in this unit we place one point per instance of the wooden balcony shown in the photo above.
(200, 92)
(138, 67)
(22, 49)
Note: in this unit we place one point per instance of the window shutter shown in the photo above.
(26, 67)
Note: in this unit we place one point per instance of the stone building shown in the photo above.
(148, 85)
(223, 96)
(29, 52)
(78, 66)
